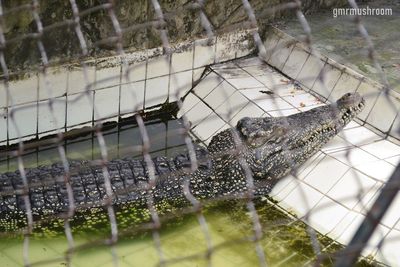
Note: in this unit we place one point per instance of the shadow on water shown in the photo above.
(122, 141)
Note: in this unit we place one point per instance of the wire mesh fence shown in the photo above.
(104, 46)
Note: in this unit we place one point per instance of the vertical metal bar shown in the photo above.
(350, 254)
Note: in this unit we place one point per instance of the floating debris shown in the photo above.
(266, 92)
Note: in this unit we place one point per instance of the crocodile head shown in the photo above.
(274, 146)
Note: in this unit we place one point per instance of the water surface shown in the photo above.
(285, 240)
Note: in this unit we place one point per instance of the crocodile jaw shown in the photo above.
(274, 146)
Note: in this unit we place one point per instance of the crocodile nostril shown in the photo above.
(258, 155)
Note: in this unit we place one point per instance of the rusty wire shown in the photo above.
(158, 23)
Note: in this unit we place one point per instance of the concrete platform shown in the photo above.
(336, 187)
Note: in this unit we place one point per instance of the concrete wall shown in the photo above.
(136, 17)
(105, 89)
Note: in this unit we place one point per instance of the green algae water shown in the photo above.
(339, 38)
(285, 241)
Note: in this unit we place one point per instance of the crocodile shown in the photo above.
(264, 148)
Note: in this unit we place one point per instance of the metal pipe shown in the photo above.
(350, 254)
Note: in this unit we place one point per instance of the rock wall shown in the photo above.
(61, 42)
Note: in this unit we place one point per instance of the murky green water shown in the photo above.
(339, 38)
(285, 240)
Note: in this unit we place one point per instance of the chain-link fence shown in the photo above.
(116, 75)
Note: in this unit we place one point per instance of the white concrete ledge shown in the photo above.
(105, 89)
(336, 187)
(330, 79)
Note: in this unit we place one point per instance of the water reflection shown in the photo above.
(122, 141)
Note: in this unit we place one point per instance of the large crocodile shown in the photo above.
(265, 148)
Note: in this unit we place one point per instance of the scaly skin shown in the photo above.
(266, 148)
